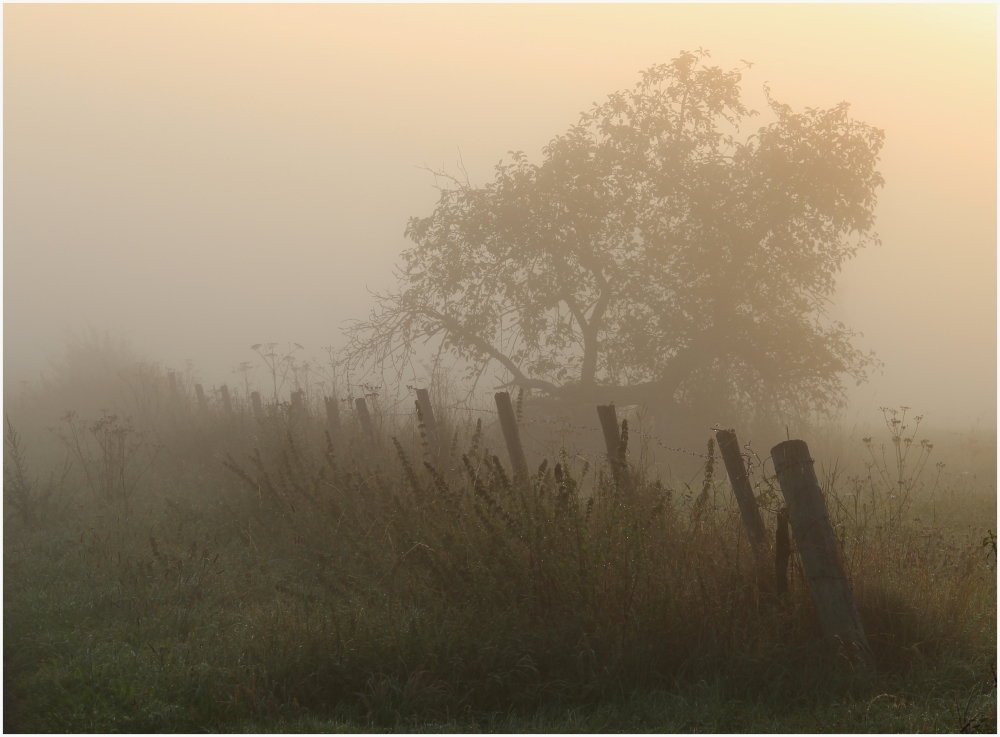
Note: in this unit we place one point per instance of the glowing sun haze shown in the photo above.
(201, 178)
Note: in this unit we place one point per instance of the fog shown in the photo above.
(201, 179)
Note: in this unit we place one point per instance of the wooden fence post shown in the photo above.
(258, 411)
(430, 423)
(172, 384)
(782, 552)
(227, 403)
(364, 417)
(612, 433)
(297, 409)
(736, 468)
(202, 401)
(332, 414)
(511, 436)
(818, 548)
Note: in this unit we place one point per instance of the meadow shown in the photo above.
(171, 565)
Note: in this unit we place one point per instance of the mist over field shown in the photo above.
(202, 179)
(500, 368)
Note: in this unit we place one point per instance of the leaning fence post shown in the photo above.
(332, 414)
(430, 424)
(818, 547)
(612, 433)
(782, 552)
(364, 417)
(737, 470)
(258, 411)
(227, 403)
(614, 436)
(202, 401)
(511, 436)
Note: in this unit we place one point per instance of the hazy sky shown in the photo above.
(201, 178)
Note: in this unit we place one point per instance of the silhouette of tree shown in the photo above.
(653, 256)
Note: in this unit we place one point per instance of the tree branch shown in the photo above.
(577, 312)
(520, 379)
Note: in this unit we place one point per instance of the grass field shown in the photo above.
(193, 571)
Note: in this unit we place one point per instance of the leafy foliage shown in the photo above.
(652, 253)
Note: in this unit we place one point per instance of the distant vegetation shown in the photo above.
(177, 566)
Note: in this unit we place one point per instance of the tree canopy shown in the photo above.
(654, 255)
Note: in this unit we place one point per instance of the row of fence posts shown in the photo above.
(805, 511)
(297, 405)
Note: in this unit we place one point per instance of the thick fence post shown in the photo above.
(782, 552)
(172, 384)
(364, 417)
(332, 414)
(511, 436)
(258, 411)
(227, 404)
(818, 547)
(612, 433)
(736, 468)
(202, 401)
(430, 423)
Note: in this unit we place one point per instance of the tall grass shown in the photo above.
(261, 574)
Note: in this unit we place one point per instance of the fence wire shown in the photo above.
(561, 424)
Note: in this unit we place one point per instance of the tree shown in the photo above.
(652, 256)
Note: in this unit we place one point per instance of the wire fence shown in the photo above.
(761, 481)
(561, 424)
